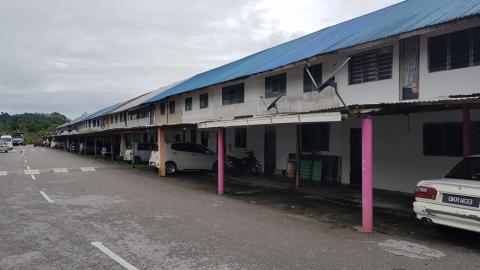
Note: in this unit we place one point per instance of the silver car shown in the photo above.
(3, 146)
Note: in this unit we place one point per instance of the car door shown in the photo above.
(181, 155)
(204, 160)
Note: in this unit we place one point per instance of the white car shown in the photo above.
(3, 146)
(142, 152)
(9, 140)
(452, 201)
(185, 156)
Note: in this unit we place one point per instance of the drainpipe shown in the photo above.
(367, 174)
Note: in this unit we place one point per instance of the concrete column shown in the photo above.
(220, 160)
(298, 147)
(367, 174)
(161, 151)
(466, 131)
(111, 147)
(133, 150)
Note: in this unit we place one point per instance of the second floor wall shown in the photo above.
(429, 84)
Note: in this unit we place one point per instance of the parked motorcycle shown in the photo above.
(248, 164)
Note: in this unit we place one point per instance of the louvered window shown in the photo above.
(373, 65)
(454, 50)
(275, 85)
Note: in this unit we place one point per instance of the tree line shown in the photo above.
(34, 125)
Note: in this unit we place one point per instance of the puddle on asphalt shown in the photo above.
(410, 250)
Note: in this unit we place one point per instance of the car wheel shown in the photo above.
(170, 168)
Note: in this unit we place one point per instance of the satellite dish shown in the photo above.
(274, 102)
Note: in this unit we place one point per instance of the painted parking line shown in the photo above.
(46, 197)
(87, 169)
(33, 177)
(30, 172)
(3, 173)
(60, 170)
(113, 256)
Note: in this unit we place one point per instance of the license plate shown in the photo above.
(461, 200)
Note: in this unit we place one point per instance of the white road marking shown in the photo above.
(28, 167)
(87, 169)
(113, 256)
(25, 161)
(3, 173)
(33, 177)
(30, 172)
(14, 150)
(60, 170)
(46, 197)
(409, 249)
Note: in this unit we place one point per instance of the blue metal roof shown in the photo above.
(93, 115)
(393, 20)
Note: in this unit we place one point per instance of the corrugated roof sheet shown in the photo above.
(391, 21)
(141, 99)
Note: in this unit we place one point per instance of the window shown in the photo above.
(188, 104)
(233, 94)
(443, 139)
(171, 107)
(204, 101)
(162, 108)
(316, 71)
(204, 138)
(454, 50)
(275, 85)
(373, 65)
(316, 137)
(409, 67)
(240, 137)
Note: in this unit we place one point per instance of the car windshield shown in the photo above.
(468, 169)
(7, 139)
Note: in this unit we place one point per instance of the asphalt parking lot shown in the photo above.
(71, 212)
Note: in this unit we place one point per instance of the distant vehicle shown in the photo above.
(185, 156)
(142, 152)
(18, 138)
(54, 144)
(8, 140)
(3, 146)
(454, 200)
(38, 142)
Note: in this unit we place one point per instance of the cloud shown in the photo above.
(80, 56)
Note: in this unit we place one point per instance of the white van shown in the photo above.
(9, 141)
(185, 156)
(142, 152)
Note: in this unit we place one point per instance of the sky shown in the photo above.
(75, 57)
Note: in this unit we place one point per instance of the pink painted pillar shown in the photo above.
(367, 174)
(466, 130)
(220, 159)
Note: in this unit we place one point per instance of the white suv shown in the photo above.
(9, 140)
(142, 152)
(185, 156)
